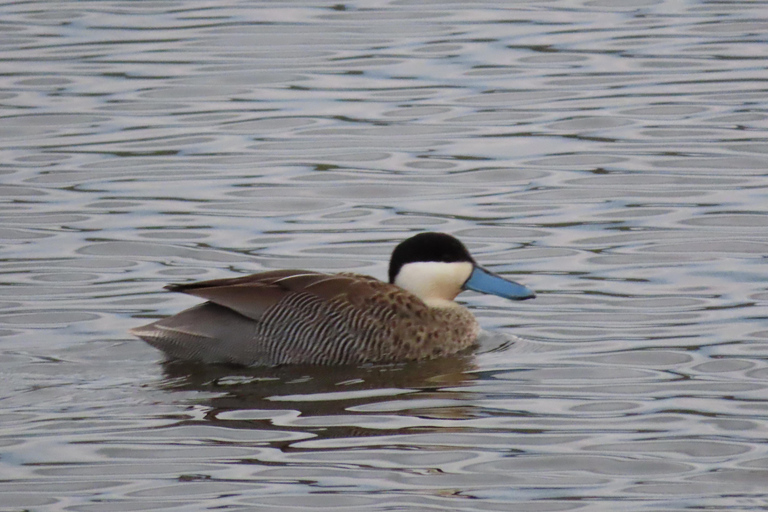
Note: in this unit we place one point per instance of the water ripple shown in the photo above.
(609, 154)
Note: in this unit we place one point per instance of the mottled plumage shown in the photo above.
(297, 316)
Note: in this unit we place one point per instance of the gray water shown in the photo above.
(609, 154)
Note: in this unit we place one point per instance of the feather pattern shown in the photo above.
(290, 317)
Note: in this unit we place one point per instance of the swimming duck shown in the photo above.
(304, 317)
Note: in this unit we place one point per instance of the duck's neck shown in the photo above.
(441, 303)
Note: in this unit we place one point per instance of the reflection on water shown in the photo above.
(241, 396)
(610, 155)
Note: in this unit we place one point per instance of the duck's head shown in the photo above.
(436, 267)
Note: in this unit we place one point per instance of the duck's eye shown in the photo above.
(448, 257)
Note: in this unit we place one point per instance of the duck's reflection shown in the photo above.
(325, 391)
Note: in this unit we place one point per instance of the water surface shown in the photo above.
(610, 155)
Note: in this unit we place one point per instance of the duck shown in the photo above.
(286, 317)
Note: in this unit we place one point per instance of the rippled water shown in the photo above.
(609, 154)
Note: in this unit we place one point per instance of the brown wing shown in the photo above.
(252, 296)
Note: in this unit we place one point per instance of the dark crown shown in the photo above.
(439, 247)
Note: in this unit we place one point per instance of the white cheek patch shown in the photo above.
(432, 280)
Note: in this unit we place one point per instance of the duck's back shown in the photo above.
(292, 316)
